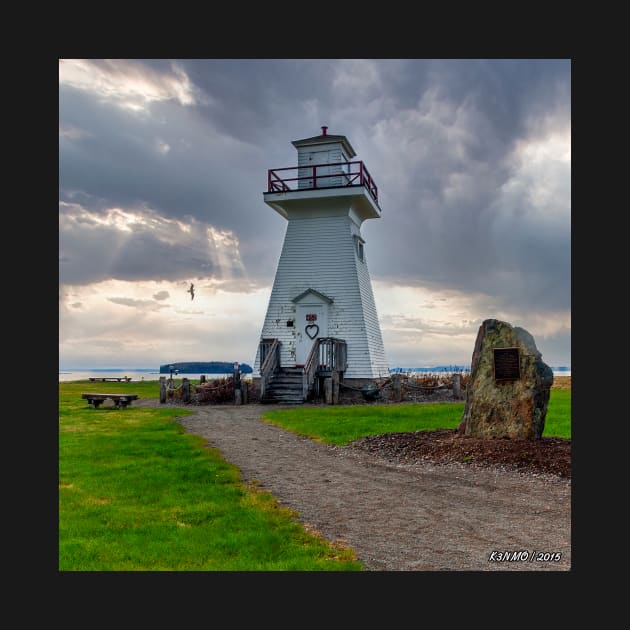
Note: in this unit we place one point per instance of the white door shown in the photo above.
(311, 321)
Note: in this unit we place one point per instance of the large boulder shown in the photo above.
(508, 391)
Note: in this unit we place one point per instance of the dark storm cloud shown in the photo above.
(136, 246)
(252, 99)
(446, 141)
(179, 169)
(134, 159)
(457, 200)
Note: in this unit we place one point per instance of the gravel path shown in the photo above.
(398, 517)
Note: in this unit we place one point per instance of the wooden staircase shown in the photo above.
(285, 386)
(296, 385)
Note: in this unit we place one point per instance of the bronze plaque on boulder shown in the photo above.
(508, 391)
(507, 364)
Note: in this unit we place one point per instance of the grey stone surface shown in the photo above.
(514, 408)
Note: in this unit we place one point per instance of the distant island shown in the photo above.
(207, 367)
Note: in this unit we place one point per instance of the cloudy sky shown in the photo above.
(163, 164)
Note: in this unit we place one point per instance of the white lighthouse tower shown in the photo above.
(321, 321)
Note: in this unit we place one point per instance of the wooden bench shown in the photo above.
(121, 400)
(105, 379)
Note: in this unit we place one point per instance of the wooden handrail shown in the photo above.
(310, 368)
(328, 354)
(269, 361)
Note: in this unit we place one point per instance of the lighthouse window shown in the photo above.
(360, 251)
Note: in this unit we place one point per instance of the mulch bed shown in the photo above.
(546, 455)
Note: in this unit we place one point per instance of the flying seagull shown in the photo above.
(191, 291)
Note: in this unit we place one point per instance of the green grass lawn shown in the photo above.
(558, 420)
(342, 424)
(137, 493)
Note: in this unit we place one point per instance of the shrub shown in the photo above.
(220, 390)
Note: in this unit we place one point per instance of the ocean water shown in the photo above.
(153, 374)
(135, 374)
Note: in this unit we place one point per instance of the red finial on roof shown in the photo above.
(324, 129)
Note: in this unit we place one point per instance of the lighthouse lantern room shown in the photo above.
(321, 321)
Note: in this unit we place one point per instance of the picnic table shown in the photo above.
(121, 400)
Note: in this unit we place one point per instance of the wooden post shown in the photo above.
(238, 399)
(244, 392)
(457, 386)
(162, 389)
(335, 387)
(328, 398)
(202, 379)
(185, 390)
(397, 387)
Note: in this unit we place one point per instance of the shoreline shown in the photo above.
(561, 382)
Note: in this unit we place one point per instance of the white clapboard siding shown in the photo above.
(321, 154)
(319, 253)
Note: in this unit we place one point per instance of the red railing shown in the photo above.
(321, 176)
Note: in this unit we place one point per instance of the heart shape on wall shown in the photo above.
(312, 328)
